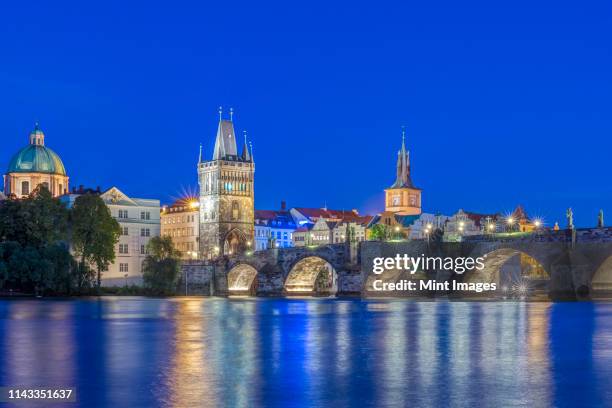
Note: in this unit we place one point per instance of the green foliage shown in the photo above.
(94, 233)
(35, 221)
(379, 232)
(161, 267)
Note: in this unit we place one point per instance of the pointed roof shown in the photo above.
(225, 143)
(403, 166)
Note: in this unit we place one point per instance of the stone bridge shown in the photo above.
(559, 264)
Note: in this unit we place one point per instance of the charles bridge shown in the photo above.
(560, 264)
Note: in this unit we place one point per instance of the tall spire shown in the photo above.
(231, 114)
(245, 149)
(403, 165)
(200, 157)
(220, 113)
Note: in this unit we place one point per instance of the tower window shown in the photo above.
(25, 187)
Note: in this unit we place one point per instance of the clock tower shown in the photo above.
(403, 198)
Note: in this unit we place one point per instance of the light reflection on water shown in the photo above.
(310, 352)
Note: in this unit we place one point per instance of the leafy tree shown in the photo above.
(378, 232)
(94, 235)
(161, 267)
(36, 221)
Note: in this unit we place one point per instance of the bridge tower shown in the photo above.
(226, 195)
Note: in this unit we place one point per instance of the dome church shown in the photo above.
(35, 165)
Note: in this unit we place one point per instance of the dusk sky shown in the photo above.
(504, 104)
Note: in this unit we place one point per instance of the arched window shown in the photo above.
(25, 187)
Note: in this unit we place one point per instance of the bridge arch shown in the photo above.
(311, 275)
(601, 283)
(242, 280)
(515, 272)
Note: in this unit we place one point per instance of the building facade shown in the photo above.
(138, 220)
(35, 165)
(424, 226)
(227, 213)
(274, 228)
(464, 223)
(180, 222)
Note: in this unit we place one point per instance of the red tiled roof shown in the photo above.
(479, 217)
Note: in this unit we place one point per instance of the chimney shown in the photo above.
(283, 205)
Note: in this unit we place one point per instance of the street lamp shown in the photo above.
(510, 222)
(397, 229)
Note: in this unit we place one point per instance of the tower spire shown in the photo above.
(200, 157)
(220, 113)
(245, 149)
(231, 114)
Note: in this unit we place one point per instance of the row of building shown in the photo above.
(222, 219)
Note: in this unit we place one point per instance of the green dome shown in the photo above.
(36, 159)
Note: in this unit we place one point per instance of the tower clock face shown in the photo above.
(396, 200)
(412, 200)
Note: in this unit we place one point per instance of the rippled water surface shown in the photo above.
(136, 352)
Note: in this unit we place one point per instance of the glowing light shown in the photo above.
(461, 224)
(249, 243)
(429, 226)
(491, 227)
(537, 223)
(194, 204)
(510, 220)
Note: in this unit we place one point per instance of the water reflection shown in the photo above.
(310, 352)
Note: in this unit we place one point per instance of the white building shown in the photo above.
(427, 224)
(464, 223)
(139, 220)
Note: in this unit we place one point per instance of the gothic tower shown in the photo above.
(226, 195)
(403, 197)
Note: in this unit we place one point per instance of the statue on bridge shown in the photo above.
(600, 219)
(570, 218)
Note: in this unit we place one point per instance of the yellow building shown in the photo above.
(180, 222)
(35, 165)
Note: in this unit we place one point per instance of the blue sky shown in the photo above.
(503, 103)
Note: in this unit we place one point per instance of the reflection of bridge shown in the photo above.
(558, 263)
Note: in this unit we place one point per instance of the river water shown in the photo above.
(187, 352)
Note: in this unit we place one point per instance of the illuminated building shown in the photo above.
(138, 220)
(226, 195)
(274, 227)
(324, 231)
(464, 223)
(35, 165)
(403, 197)
(180, 222)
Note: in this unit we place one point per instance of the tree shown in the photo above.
(378, 232)
(94, 234)
(161, 267)
(35, 221)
